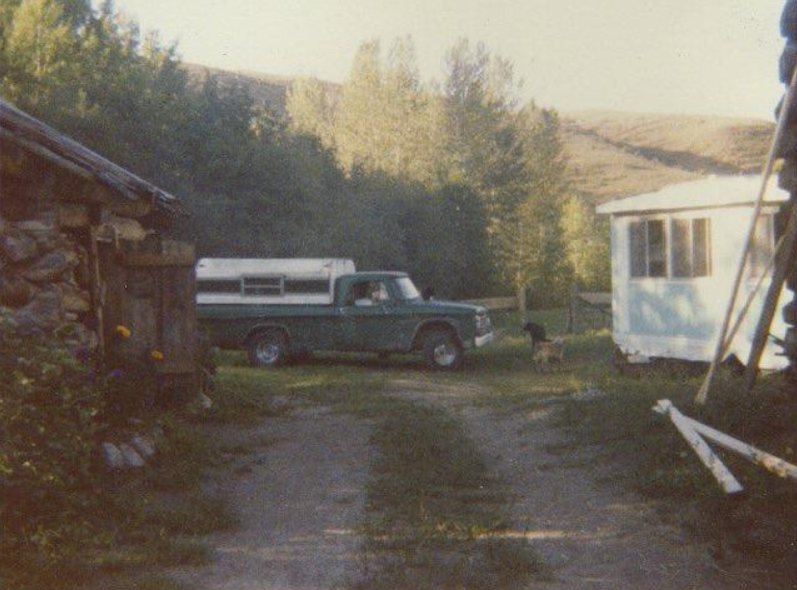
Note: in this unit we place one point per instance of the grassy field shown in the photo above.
(649, 455)
(430, 492)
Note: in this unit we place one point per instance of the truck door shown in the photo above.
(367, 318)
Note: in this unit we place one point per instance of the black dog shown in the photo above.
(536, 331)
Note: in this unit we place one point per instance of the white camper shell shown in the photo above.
(272, 281)
(674, 257)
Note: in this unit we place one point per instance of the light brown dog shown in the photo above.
(548, 351)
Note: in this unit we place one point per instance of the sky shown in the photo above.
(672, 56)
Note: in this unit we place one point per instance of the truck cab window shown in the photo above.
(368, 293)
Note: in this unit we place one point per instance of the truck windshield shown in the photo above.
(407, 288)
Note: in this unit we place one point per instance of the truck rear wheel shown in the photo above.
(268, 349)
(442, 351)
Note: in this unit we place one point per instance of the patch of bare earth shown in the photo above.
(589, 531)
(299, 497)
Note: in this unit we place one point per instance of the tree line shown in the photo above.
(456, 181)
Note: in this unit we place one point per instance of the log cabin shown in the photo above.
(84, 249)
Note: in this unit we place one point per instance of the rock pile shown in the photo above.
(126, 455)
(44, 278)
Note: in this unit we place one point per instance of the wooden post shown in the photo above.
(702, 394)
(766, 460)
(785, 261)
(571, 310)
(728, 483)
(521, 304)
(97, 294)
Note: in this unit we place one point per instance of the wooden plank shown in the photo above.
(726, 480)
(19, 127)
(597, 298)
(97, 294)
(766, 460)
(179, 334)
(785, 261)
(72, 215)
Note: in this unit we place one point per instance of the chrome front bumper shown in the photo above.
(482, 340)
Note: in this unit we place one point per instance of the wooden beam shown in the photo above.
(19, 127)
(726, 479)
(702, 394)
(751, 297)
(761, 458)
(785, 262)
(768, 461)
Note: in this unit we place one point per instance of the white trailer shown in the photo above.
(674, 252)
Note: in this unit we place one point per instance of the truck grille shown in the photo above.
(483, 325)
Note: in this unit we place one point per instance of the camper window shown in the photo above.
(219, 286)
(262, 286)
(307, 286)
(691, 252)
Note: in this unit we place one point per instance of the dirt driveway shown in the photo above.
(590, 532)
(301, 498)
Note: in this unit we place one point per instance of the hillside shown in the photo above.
(612, 154)
(615, 154)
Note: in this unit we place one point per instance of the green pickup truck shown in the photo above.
(279, 309)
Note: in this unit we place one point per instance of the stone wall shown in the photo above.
(45, 278)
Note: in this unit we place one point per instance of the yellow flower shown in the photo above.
(123, 331)
(157, 355)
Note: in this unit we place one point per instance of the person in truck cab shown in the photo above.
(369, 293)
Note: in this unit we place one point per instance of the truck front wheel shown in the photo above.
(268, 349)
(442, 351)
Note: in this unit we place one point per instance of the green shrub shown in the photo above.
(50, 408)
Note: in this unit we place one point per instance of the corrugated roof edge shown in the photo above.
(714, 191)
(49, 143)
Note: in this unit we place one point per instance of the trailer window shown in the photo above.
(262, 286)
(638, 248)
(701, 247)
(219, 286)
(648, 248)
(657, 249)
(691, 248)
